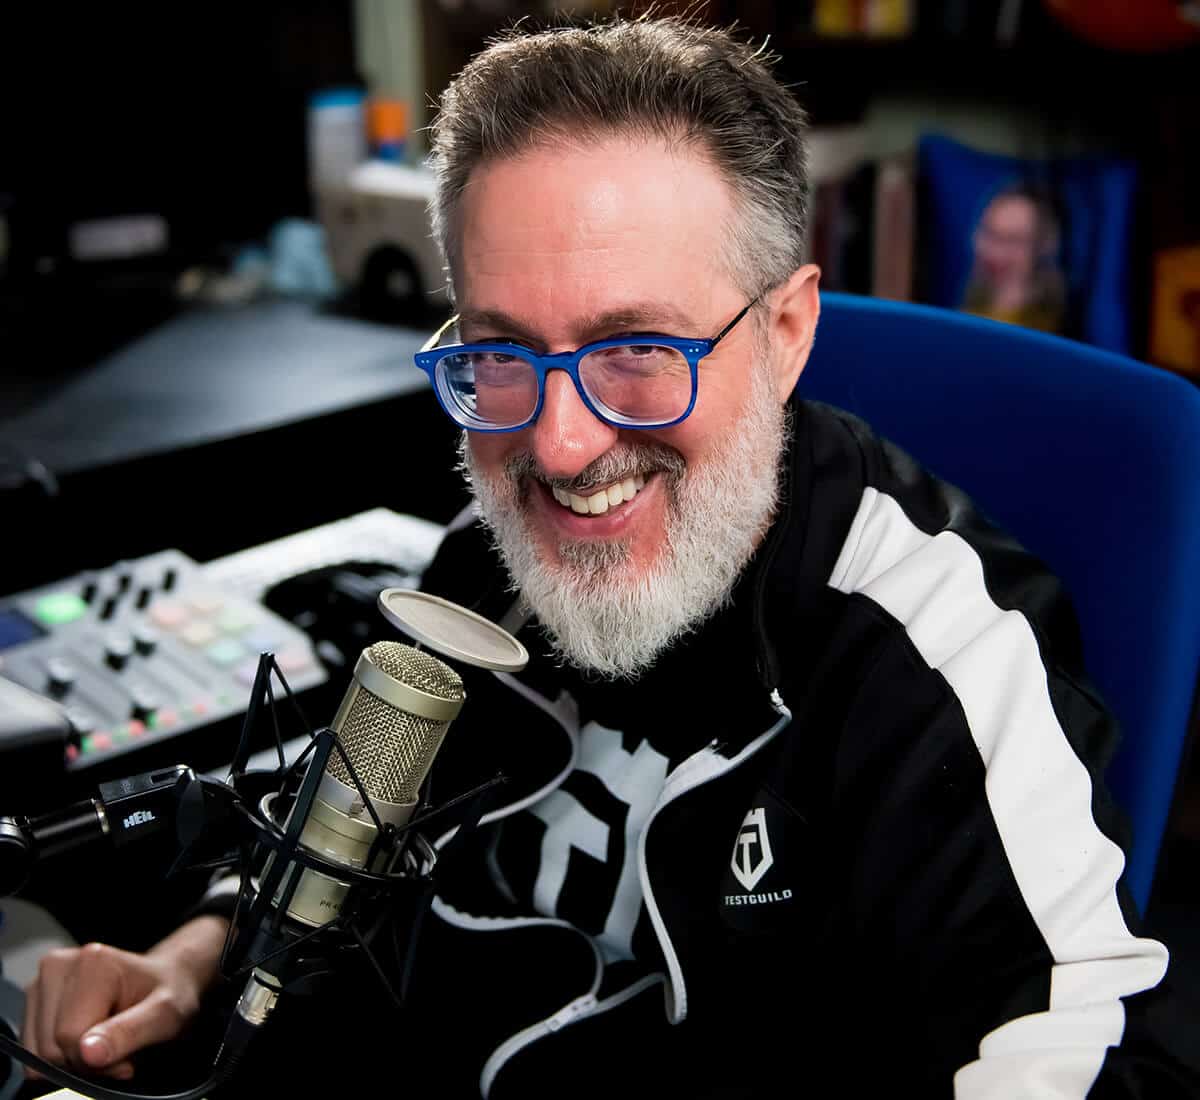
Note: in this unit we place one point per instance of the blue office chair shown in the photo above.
(1092, 461)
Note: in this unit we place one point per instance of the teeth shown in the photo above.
(599, 502)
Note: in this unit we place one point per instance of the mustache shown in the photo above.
(617, 464)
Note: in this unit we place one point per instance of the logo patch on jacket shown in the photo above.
(752, 856)
(759, 872)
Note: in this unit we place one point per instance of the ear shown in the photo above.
(792, 325)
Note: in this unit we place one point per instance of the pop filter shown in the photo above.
(451, 630)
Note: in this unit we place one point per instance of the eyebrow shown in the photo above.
(657, 317)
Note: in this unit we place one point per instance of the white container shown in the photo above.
(337, 136)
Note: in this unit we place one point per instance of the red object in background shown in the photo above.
(1143, 26)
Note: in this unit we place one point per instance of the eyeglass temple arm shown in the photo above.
(733, 324)
(436, 338)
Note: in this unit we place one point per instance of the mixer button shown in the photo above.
(108, 607)
(169, 578)
(59, 608)
(234, 619)
(225, 652)
(168, 614)
(261, 638)
(143, 597)
(294, 659)
(198, 634)
(205, 603)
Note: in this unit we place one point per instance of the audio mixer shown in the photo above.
(161, 647)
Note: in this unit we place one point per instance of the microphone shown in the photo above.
(390, 725)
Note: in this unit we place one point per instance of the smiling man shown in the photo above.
(804, 775)
(620, 537)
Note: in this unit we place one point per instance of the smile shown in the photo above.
(600, 501)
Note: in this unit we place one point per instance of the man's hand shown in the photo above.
(92, 1007)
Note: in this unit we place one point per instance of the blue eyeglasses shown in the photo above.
(642, 381)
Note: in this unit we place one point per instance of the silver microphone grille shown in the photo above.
(392, 749)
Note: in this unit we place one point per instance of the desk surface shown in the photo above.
(213, 374)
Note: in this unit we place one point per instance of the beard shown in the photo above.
(602, 612)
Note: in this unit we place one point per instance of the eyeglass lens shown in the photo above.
(638, 383)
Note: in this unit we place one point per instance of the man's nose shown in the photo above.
(566, 436)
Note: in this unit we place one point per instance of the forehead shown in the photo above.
(575, 224)
(1018, 210)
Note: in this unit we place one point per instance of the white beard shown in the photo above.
(603, 617)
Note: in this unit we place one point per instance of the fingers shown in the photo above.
(95, 1006)
(92, 989)
(157, 1018)
(29, 1027)
(41, 1006)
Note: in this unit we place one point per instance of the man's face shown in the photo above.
(565, 245)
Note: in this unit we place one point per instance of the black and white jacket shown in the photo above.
(879, 858)
(883, 856)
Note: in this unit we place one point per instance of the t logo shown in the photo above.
(746, 869)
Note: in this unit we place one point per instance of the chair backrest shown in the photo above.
(1092, 461)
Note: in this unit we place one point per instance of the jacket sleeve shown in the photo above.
(972, 765)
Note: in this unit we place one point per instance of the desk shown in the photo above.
(224, 428)
(214, 374)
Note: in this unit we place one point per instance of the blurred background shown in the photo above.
(215, 261)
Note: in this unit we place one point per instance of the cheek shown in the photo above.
(490, 450)
(720, 407)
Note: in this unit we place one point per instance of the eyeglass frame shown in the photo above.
(693, 351)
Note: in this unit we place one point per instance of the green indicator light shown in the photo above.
(59, 608)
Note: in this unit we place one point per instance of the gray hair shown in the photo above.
(666, 78)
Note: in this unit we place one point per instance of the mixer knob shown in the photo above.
(145, 703)
(143, 597)
(117, 650)
(108, 607)
(91, 585)
(61, 676)
(145, 640)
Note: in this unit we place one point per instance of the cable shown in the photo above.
(66, 1079)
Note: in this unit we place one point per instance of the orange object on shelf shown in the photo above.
(1175, 321)
(387, 120)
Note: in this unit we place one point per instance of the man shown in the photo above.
(803, 753)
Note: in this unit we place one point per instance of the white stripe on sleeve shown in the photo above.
(1039, 793)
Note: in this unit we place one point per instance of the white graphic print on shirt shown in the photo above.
(634, 780)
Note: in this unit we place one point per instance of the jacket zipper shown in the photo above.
(694, 772)
(570, 1013)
